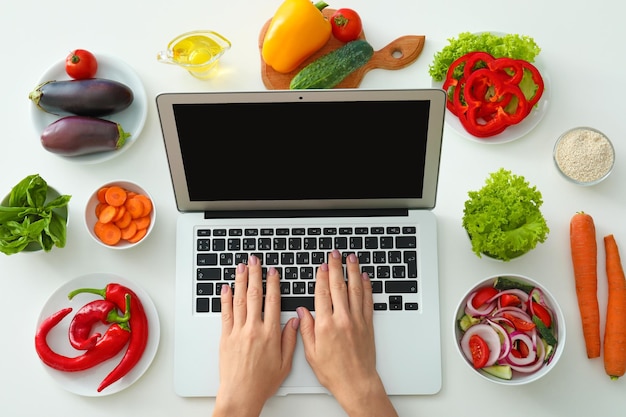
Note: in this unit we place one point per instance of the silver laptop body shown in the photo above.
(249, 164)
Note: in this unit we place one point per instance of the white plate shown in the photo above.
(513, 132)
(86, 382)
(132, 119)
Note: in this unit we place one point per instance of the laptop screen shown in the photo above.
(289, 150)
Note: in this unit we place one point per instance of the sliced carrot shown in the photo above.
(115, 196)
(142, 222)
(107, 214)
(147, 204)
(135, 207)
(100, 194)
(99, 208)
(141, 233)
(108, 233)
(129, 231)
(120, 213)
(124, 221)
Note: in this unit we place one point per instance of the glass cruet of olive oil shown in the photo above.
(198, 52)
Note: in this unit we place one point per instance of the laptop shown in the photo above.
(289, 176)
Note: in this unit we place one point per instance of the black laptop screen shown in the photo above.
(300, 151)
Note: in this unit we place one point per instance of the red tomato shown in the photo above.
(543, 314)
(509, 300)
(346, 25)
(81, 64)
(483, 295)
(480, 351)
(519, 324)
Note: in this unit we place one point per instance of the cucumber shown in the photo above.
(506, 283)
(499, 371)
(467, 321)
(329, 70)
(544, 332)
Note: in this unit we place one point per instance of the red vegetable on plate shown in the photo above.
(97, 311)
(81, 64)
(109, 345)
(138, 324)
(492, 93)
(346, 25)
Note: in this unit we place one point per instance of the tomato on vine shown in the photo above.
(81, 64)
(346, 25)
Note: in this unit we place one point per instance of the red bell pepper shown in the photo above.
(109, 345)
(138, 324)
(97, 311)
(485, 94)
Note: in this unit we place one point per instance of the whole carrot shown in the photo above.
(615, 326)
(584, 250)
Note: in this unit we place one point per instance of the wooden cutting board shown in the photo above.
(397, 54)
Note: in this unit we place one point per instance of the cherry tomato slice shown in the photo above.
(507, 300)
(541, 312)
(483, 295)
(480, 351)
(519, 324)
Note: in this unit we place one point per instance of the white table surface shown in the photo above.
(583, 53)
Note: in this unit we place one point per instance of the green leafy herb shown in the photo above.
(26, 217)
(509, 45)
(503, 219)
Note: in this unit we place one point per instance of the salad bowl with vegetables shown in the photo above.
(509, 329)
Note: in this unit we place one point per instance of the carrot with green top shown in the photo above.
(584, 249)
(615, 326)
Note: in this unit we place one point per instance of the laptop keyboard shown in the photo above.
(388, 254)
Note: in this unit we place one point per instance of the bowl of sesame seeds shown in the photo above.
(584, 155)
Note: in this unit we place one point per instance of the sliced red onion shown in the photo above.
(489, 335)
(522, 337)
(505, 339)
(481, 311)
(535, 366)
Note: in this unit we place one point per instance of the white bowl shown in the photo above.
(91, 218)
(557, 327)
(584, 156)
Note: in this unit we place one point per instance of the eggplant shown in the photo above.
(94, 97)
(81, 135)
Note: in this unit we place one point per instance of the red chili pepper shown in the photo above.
(109, 345)
(138, 324)
(97, 311)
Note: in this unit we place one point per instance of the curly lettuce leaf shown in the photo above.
(510, 45)
(503, 219)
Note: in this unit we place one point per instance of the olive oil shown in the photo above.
(198, 52)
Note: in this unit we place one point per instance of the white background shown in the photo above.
(582, 49)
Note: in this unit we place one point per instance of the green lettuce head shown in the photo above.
(503, 219)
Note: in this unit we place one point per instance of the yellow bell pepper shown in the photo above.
(297, 30)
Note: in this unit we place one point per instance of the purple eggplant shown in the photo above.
(94, 97)
(81, 135)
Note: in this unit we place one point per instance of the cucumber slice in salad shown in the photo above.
(499, 371)
(506, 283)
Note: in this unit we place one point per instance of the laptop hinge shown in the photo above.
(265, 214)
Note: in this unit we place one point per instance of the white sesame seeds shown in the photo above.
(585, 155)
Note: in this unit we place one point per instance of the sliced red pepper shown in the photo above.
(109, 345)
(97, 311)
(138, 324)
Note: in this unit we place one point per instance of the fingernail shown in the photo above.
(336, 254)
(295, 323)
(225, 288)
(253, 260)
(324, 267)
(365, 276)
(271, 271)
(352, 258)
(300, 312)
(241, 267)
